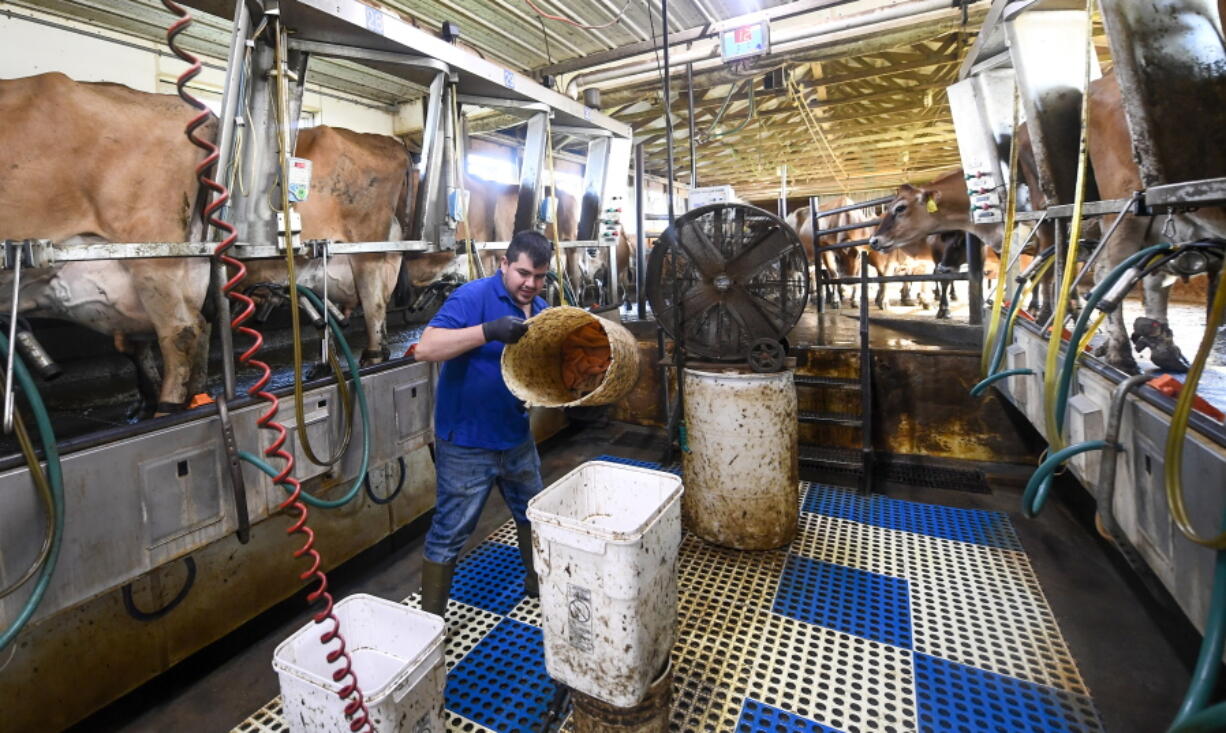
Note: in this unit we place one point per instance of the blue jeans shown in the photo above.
(465, 477)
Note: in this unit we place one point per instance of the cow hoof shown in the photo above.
(943, 313)
(906, 301)
(1125, 364)
(318, 370)
(376, 356)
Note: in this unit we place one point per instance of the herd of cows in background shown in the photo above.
(89, 162)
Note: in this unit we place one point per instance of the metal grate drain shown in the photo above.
(838, 462)
(883, 616)
(976, 526)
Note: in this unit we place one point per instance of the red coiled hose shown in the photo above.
(355, 708)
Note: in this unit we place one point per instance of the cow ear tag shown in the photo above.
(931, 206)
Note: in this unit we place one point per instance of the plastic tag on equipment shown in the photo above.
(299, 179)
(547, 209)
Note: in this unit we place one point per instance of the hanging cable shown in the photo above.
(39, 477)
(1173, 462)
(1054, 436)
(561, 19)
(55, 477)
(349, 692)
(1007, 245)
(749, 116)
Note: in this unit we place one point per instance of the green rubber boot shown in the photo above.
(436, 586)
(523, 533)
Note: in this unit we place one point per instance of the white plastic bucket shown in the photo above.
(605, 540)
(397, 655)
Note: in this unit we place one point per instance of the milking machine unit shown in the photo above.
(355, 707)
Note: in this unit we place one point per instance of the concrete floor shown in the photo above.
(1134, 663)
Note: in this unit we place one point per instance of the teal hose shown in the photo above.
(979, 388)
(1006, 334)
(1191, 716)
(1083, 322)
(1210, 720)
(1039, 485)
(56, 478)
(1033, 500)
(361, 395)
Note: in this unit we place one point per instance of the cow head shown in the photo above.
(911, 216)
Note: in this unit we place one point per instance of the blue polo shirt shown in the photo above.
(473, 406)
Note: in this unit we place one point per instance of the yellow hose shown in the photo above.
(1173, 467)
(292, 278)
(1054, 439)
(44, 491)
(1006, 248)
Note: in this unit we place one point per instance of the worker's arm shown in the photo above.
(441, 344)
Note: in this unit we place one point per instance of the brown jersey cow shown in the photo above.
(102, 162)
(359, 183)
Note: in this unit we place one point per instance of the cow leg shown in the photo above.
(198, 377)
(374, 277)
(943, 309)
(144, 364)
(1126, 241)
(171, 292)
(904, 295)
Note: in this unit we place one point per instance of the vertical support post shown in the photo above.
(866, 385)
(689, 108)
(255, 221)
(225, 153)
(298, 67)
(429, 210)
(668, 114)
(590, 208)
(783, 191)
(530, 170)
(640, 242)
(974, 283)
(819, 289)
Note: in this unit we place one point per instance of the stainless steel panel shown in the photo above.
(414, 404)
(180, 493)
(128, 509)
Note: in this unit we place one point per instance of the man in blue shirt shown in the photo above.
(481, 429)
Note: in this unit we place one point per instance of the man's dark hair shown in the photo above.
(531, 243)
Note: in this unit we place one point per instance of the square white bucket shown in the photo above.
(605, 540)
(397, 655)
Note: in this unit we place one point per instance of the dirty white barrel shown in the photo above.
(397, 655)
(741, 474)
(605, 539)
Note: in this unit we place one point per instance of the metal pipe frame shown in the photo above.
(530, 172)
(235, 63)
(640, 242)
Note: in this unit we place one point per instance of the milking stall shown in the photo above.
(853, 366)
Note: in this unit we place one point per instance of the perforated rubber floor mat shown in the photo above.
(882, 616)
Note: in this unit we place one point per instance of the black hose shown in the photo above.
(370, 492)
(130, 606)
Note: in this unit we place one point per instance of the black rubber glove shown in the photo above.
(507, 329)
